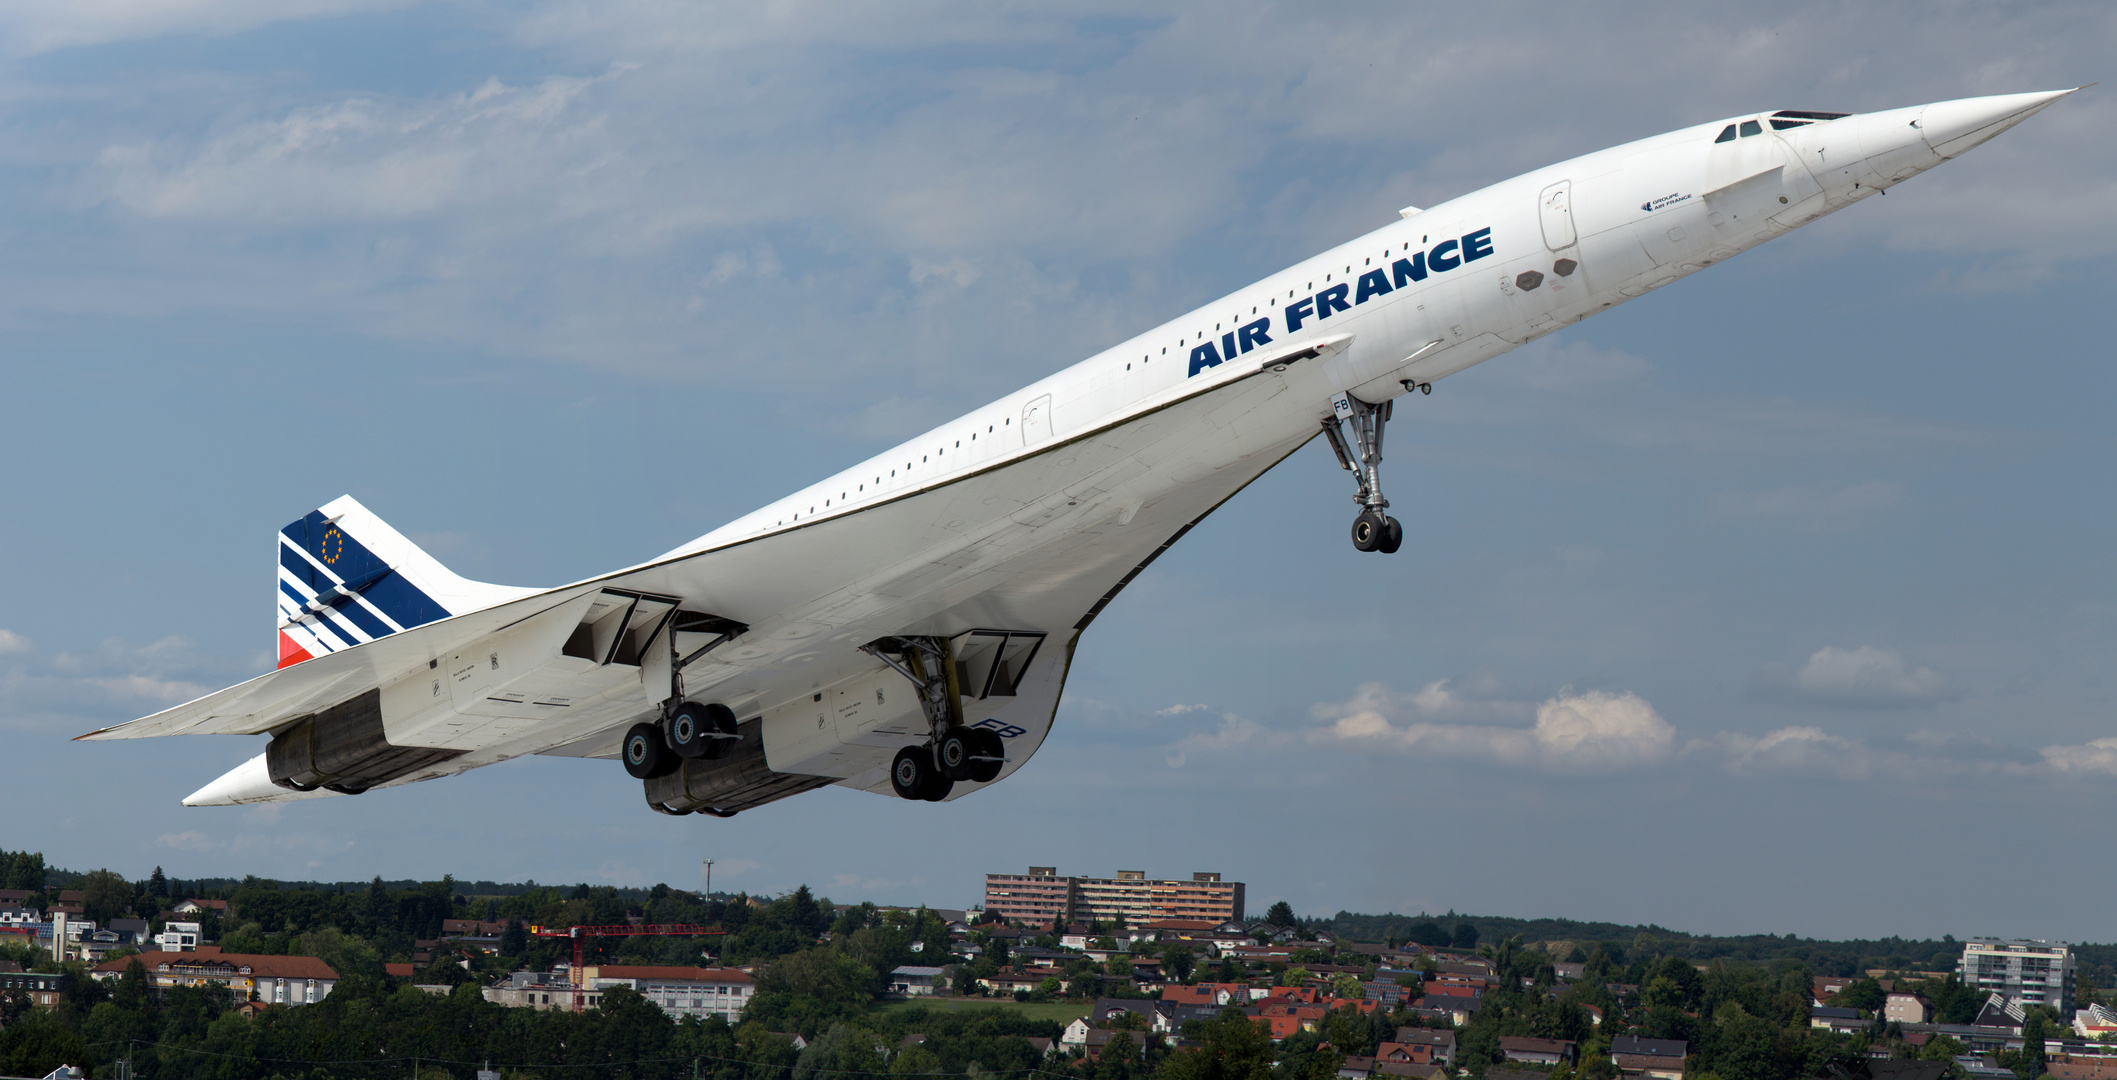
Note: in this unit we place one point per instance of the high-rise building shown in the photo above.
(1042, 896)
(2030, 972)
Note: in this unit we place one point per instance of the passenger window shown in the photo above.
(1727, 135)
(1751, 127)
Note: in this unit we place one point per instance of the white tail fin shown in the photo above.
(346, 577)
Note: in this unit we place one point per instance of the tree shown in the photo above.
(1346, 985)
(1176, 961)
(1280, 913)
(157, 885)
(514, 940)
(1862, 994)
(105, 896)
(1230, 1047)
(1465, 935)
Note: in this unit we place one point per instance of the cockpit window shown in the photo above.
(1793, 118)
(1726, 135)
(1751, 127)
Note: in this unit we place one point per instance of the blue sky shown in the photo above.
(1778, 600)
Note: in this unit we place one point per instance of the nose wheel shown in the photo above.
(1377, 532)
(1374, 529)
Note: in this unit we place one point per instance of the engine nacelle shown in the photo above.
(343, 749)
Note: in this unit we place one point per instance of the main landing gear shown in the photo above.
(687, 729)
(930, 770)
(1374, 529)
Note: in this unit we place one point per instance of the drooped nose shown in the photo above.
(1951, 127)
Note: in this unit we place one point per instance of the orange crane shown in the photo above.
(581, 934)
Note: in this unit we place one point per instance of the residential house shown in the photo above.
(177, 936)
(1410, 1071)
(1281, 1027)
(17, 897)
(1570, 972)
(1529, 1051)
(1075, 1034)
(1657, 1059)
(1456, 1009)
(1822, 988)
(2094, 1022)
(1427, 1044)
(1833, 1018)
(45, 990)
(910, 980)
(1206, 993)
(1105, 1008)
(201, 907)
(1044, 1047)
(1099, 1040)
(1356, 1067)
(2083, 1069)
(1905, 1007)
(276, 980)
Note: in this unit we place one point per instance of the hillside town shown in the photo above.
(1103, 977)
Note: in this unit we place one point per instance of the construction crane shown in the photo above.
(581, 934)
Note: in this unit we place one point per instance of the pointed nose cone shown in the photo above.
(1951, 127)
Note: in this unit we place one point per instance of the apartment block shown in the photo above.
(2029, 972)
(1042, 896)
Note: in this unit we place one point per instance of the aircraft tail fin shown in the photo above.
(346, 577)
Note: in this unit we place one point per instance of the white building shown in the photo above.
(2029, 972)
(178, 937)
(911, 980)
(679, 991)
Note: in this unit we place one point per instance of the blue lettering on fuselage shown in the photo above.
(1442, 257)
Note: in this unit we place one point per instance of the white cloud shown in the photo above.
(1810, 508)
(1861, 678)
(1795, 749)
(1596, 731)
(11, 642)
(1232, 733)
(32, 28)
(2096, 757)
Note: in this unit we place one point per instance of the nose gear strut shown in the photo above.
(1373, 530)
(954, 751)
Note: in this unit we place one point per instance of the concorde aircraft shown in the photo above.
(906, 625)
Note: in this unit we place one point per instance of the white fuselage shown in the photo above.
(1025, 514)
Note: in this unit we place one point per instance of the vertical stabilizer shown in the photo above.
(346, 577)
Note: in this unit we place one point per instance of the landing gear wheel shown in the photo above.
(991, 756)
(938, 785)
(646, 756)
(955, 752)
(911, 772)
(698, 730)
(1368, 531)
(1392, 536)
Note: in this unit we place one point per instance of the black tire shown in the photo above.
(937, 787)
(910, 772)
(646, 755)
(992, 756)
(700, 730)
(956, 753)
(1367, 531)
(683, 730)
(1392, 536)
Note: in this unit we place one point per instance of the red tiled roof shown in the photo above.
(402, 971)
(270, 967)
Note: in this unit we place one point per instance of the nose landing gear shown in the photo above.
(1373, 530)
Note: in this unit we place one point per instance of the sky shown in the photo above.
(1779, 600)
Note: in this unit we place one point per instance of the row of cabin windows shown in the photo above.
(842, 496)
(1272, 302)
